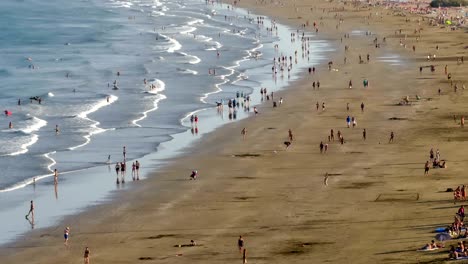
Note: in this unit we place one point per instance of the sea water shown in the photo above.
(87, 60)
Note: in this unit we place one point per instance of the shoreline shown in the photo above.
(180, 145)
(280, 212)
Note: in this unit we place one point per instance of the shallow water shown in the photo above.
(172, 45)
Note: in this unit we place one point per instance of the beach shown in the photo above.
(363, 201)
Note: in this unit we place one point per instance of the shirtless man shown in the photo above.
(392, 136)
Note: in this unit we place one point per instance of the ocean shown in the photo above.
(108, 74)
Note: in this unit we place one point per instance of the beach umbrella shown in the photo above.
(443, 236)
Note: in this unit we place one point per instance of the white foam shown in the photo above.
(175, 44)
(194, 60)
(159, 86)
(94, 126)
(24, 147)
(37, 124)
(50, 94)
(144, 115)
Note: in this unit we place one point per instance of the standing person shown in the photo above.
(244, 133)
(463, 193)
(87, 252)
(332, 135)
(66, 234)
(321, 147)
(350, 84)
(392, 136)
(124, 152)
(426, 168)
(354, 122)
(137, 168)
(431, 154)
(133, 170)
(462, 121)
(317, 105)
(244, 256)
(240, 244)
(290, 135)
(364, 134)
(348, 121)
(117, 170)
(55, 176)
(57, 130)
(362, 107)
(31, 210)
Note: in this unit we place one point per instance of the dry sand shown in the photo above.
(378, 206)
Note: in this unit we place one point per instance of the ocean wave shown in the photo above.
(159, 86)
(187, 71)
(144, 115)
(194, 60)
(94, 127)
(175, 44)
(29, 141)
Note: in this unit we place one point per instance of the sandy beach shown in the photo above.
(377, 205)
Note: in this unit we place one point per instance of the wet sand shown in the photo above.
(378, 206)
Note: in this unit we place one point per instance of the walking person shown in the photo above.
(426, 168)
(362, 107)
(392, 136)
(364, 134)
(66, 235)
(124, 153)
(31, 210)
(240, 244)
(87, 252)
(117, 170)
(290, 135)
(244, 133)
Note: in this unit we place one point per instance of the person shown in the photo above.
(364, 134)
(453, 254)
(10, 126)
(86, 255)
(133, 170)
(57, 129)
(31, 210)
(124, 152)
(392, 136)
(55, 176)
(462, 121)
(244, 133)
(350, 84)
(117, 170)
(290, 135)
(426, 168)
(255, 110)
(461, 212)
(137, 168)
(348, 121)
(362, 107)
(317, 105)
(66, 234)
(244, 256)
(347, 107)
(240, 244)
(194, 175)
(323, 106)
(325, 179)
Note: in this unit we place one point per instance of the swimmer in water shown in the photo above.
(57, 129)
